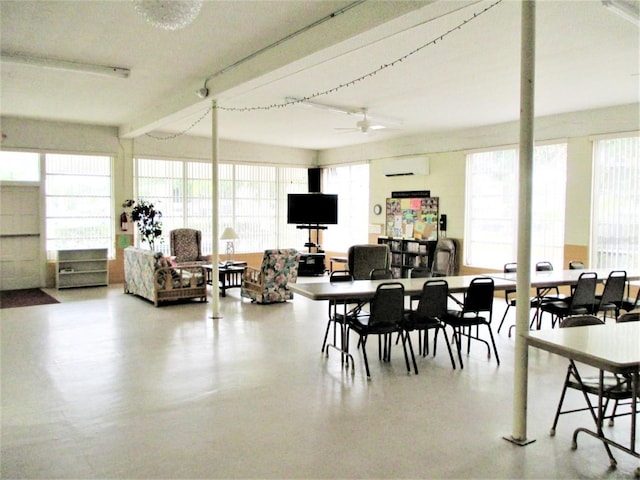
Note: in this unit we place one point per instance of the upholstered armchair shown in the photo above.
(186, 246)
(362, 259)
(270, 283)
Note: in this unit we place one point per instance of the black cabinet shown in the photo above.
(311, 264)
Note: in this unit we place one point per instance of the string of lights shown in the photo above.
(341, 86)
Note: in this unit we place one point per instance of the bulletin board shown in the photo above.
(412, 218)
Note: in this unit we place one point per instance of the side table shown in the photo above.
(229, 275)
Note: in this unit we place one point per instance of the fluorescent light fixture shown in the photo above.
(321, 106)
(65, 65)
(627, 9)
(344, 111)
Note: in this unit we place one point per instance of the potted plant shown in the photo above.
(147, 219)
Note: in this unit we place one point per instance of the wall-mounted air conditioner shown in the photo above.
(397, 167)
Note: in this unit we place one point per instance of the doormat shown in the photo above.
(25, 298)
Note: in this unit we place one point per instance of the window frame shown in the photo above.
(611, 206)
(551, 251)
(233, 190)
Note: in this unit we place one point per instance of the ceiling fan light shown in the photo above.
(168, 14)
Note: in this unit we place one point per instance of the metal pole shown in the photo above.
(215, 271)
(523, 279)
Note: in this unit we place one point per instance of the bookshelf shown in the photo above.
(82, 268)
(408, 253)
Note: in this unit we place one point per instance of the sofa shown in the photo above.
(150, 275)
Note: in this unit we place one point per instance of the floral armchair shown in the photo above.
(185, 244)
(269, 284)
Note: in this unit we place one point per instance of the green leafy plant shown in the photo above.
(147, 219)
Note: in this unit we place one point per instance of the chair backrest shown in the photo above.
(580, 321)
(419, 272)
(361, 259)
(614, 288)
(479, 296)
(544, 267)
(629, 317)
(445, 261)
(510, 267)
(387, 305)
(380, 274)
(433, 299)
(576, 265)
(341, 276)
(584, 294)
(280, 266)
(185, 244)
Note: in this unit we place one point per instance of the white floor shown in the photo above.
(104, 385)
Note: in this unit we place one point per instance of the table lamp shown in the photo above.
(229, 235)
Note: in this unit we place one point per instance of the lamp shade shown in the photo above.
(229, 234)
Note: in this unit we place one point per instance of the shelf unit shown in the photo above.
(82, 268)
(408, 253)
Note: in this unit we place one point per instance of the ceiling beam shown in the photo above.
(275, 61)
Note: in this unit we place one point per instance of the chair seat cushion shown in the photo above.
(457, 319)
(414, 321)
(613, 386)
(563, 308)
(361, 325)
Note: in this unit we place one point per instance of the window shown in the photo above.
(78, 202)
(252, 199)
(492, 206)
(181, 191)
(351, 183)
(615, 222)
(256, 205)
(19, 166)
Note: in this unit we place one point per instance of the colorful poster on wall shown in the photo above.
(412, 218)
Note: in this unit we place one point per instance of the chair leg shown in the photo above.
(425, 343)
(552, 432)
(457, 337)
(493, 342)
(446, 339)
(407, 338)
(503, 317)
(363, 340)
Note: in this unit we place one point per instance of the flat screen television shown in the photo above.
(312, 209)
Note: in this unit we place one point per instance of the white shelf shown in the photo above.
(82, 268)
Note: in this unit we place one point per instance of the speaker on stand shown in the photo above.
(314, 176)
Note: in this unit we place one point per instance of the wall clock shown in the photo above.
(377, 209)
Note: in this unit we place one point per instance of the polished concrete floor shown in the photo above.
(104, 385)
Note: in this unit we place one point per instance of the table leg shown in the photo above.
(344, 348)
(223, 284)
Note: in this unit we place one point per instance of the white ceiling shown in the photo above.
(586, 57)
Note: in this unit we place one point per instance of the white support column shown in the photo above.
(215, 291)
(523, 280)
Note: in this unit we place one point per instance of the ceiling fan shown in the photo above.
(363, 126)
(366, 124)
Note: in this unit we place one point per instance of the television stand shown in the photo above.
(312, 262)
